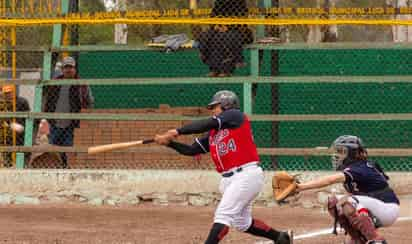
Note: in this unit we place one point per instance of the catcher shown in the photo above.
(230, 143)
(370, 202)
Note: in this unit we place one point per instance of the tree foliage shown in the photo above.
(92, 34)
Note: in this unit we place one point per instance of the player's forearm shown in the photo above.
(313, 185)
(185, 149)
(322, 182)
(199, 126)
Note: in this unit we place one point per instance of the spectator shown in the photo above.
(221, 50)
(229, 8)
(22, 105)
(221, 46)
(66, 99)
(41, 160)
(57, 70)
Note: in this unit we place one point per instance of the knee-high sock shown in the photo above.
(259, 228)
(217, 233)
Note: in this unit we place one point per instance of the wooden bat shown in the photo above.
(116, 146)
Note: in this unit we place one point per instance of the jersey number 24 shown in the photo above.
(224, 148)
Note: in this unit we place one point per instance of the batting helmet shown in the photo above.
(346, 150)
(226, 99)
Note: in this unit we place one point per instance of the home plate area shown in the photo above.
(148, 223)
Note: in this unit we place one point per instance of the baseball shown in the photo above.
(17, 127)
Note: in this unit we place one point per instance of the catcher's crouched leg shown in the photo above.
(355, 236)
(359, 226)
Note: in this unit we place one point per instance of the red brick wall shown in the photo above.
(93, 133)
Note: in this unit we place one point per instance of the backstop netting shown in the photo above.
(305, 73)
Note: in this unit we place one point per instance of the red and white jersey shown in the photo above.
(232, 147)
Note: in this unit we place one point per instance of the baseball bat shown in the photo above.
(116, 146)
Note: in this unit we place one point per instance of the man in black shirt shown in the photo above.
(221, 46)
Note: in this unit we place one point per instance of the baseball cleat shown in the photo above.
(377, 242)
(285, 238)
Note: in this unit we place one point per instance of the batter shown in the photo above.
(230, 142)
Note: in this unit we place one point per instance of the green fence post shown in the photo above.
(254, 64)
(254, 60)
(28, 135)
(57, 29)
(247, 98)
(47, 61)
(260, 29)
(247, 86)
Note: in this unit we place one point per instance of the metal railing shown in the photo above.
(245, 81)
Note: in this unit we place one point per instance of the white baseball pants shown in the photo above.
(387, 213)
(238, 193)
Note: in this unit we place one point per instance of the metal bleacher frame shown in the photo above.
(245, 81)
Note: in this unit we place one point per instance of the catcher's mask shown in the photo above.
(226, 99)
(346, 150)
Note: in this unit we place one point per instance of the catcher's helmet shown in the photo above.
(226, 99)
(345, 151)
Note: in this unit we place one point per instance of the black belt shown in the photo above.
(231, 173)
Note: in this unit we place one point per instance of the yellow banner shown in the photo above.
(202, 21)
(205, 12)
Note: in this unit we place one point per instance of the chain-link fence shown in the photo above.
(91, 92)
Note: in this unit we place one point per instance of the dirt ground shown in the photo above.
(60, 224)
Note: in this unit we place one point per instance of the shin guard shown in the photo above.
(360, 222)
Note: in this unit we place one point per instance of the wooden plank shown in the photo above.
(171, 117)
(321, 151)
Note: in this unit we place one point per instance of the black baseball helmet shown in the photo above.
(226, 99)
(345, 150)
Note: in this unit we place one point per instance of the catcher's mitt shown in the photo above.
(284, 185)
